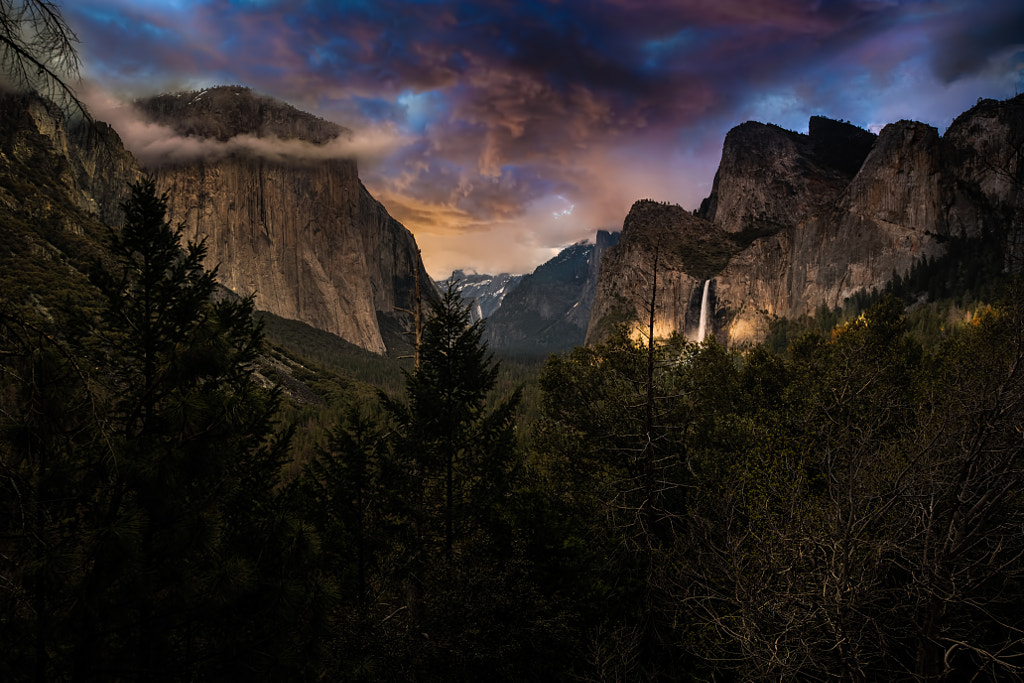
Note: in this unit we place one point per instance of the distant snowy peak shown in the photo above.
(486, 292)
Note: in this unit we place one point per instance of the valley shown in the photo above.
(245, 435)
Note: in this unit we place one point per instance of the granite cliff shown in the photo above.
(795, 220)
(284, 218)
(61, 183)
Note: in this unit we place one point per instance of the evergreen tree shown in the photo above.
(461, 448)
(348, 493)
(634, 421)
(459, 458)
(47, 443)
(182, 511)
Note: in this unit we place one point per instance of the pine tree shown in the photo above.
(462, 448)
(184, 503)
(456, 448)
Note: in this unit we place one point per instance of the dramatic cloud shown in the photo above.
(500, 131)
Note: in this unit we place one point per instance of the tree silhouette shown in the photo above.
(456, 449)
(147, 472)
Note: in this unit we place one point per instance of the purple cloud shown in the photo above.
(502, 112)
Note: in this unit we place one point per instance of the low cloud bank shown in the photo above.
(154, 144)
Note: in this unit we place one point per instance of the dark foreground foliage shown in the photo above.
(143, 534)
(847, 508)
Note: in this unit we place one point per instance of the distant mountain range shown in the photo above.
(543, 312)
(549, 309)
(484, 292)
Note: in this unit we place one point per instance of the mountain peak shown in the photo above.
(549, 309)
(485, 292)
(223, 112)
(286, 219)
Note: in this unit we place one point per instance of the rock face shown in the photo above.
(796, 221)
(685, 249)
(61, 181)
(983, 151)
(771, 174)
(44, 154)
(550, 308)
(579, 313)
(484, 292)
(302, 234)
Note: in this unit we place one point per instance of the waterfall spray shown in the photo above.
(702, 329)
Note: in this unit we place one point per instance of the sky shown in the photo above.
(500, 131)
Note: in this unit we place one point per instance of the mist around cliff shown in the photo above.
(155, 144)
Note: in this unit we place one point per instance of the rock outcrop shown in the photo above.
(983, 151)
(288, 222)
(72, 161)
(771, 174)
(685, 250)
(797, 221)
(61, 185)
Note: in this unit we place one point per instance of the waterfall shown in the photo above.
(702, 329)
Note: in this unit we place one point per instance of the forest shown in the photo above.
(843, 504)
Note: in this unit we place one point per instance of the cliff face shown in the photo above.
(76, 163)
(549, 309)
(579, 314)
(796, 221)
(771, 174)
(60, 182)
(303, 234)
(890, 216)
(984, 151)
(688, 250)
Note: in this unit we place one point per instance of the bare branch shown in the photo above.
(38, 53)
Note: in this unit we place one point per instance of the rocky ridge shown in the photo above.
(76, 160)
(795, 220)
